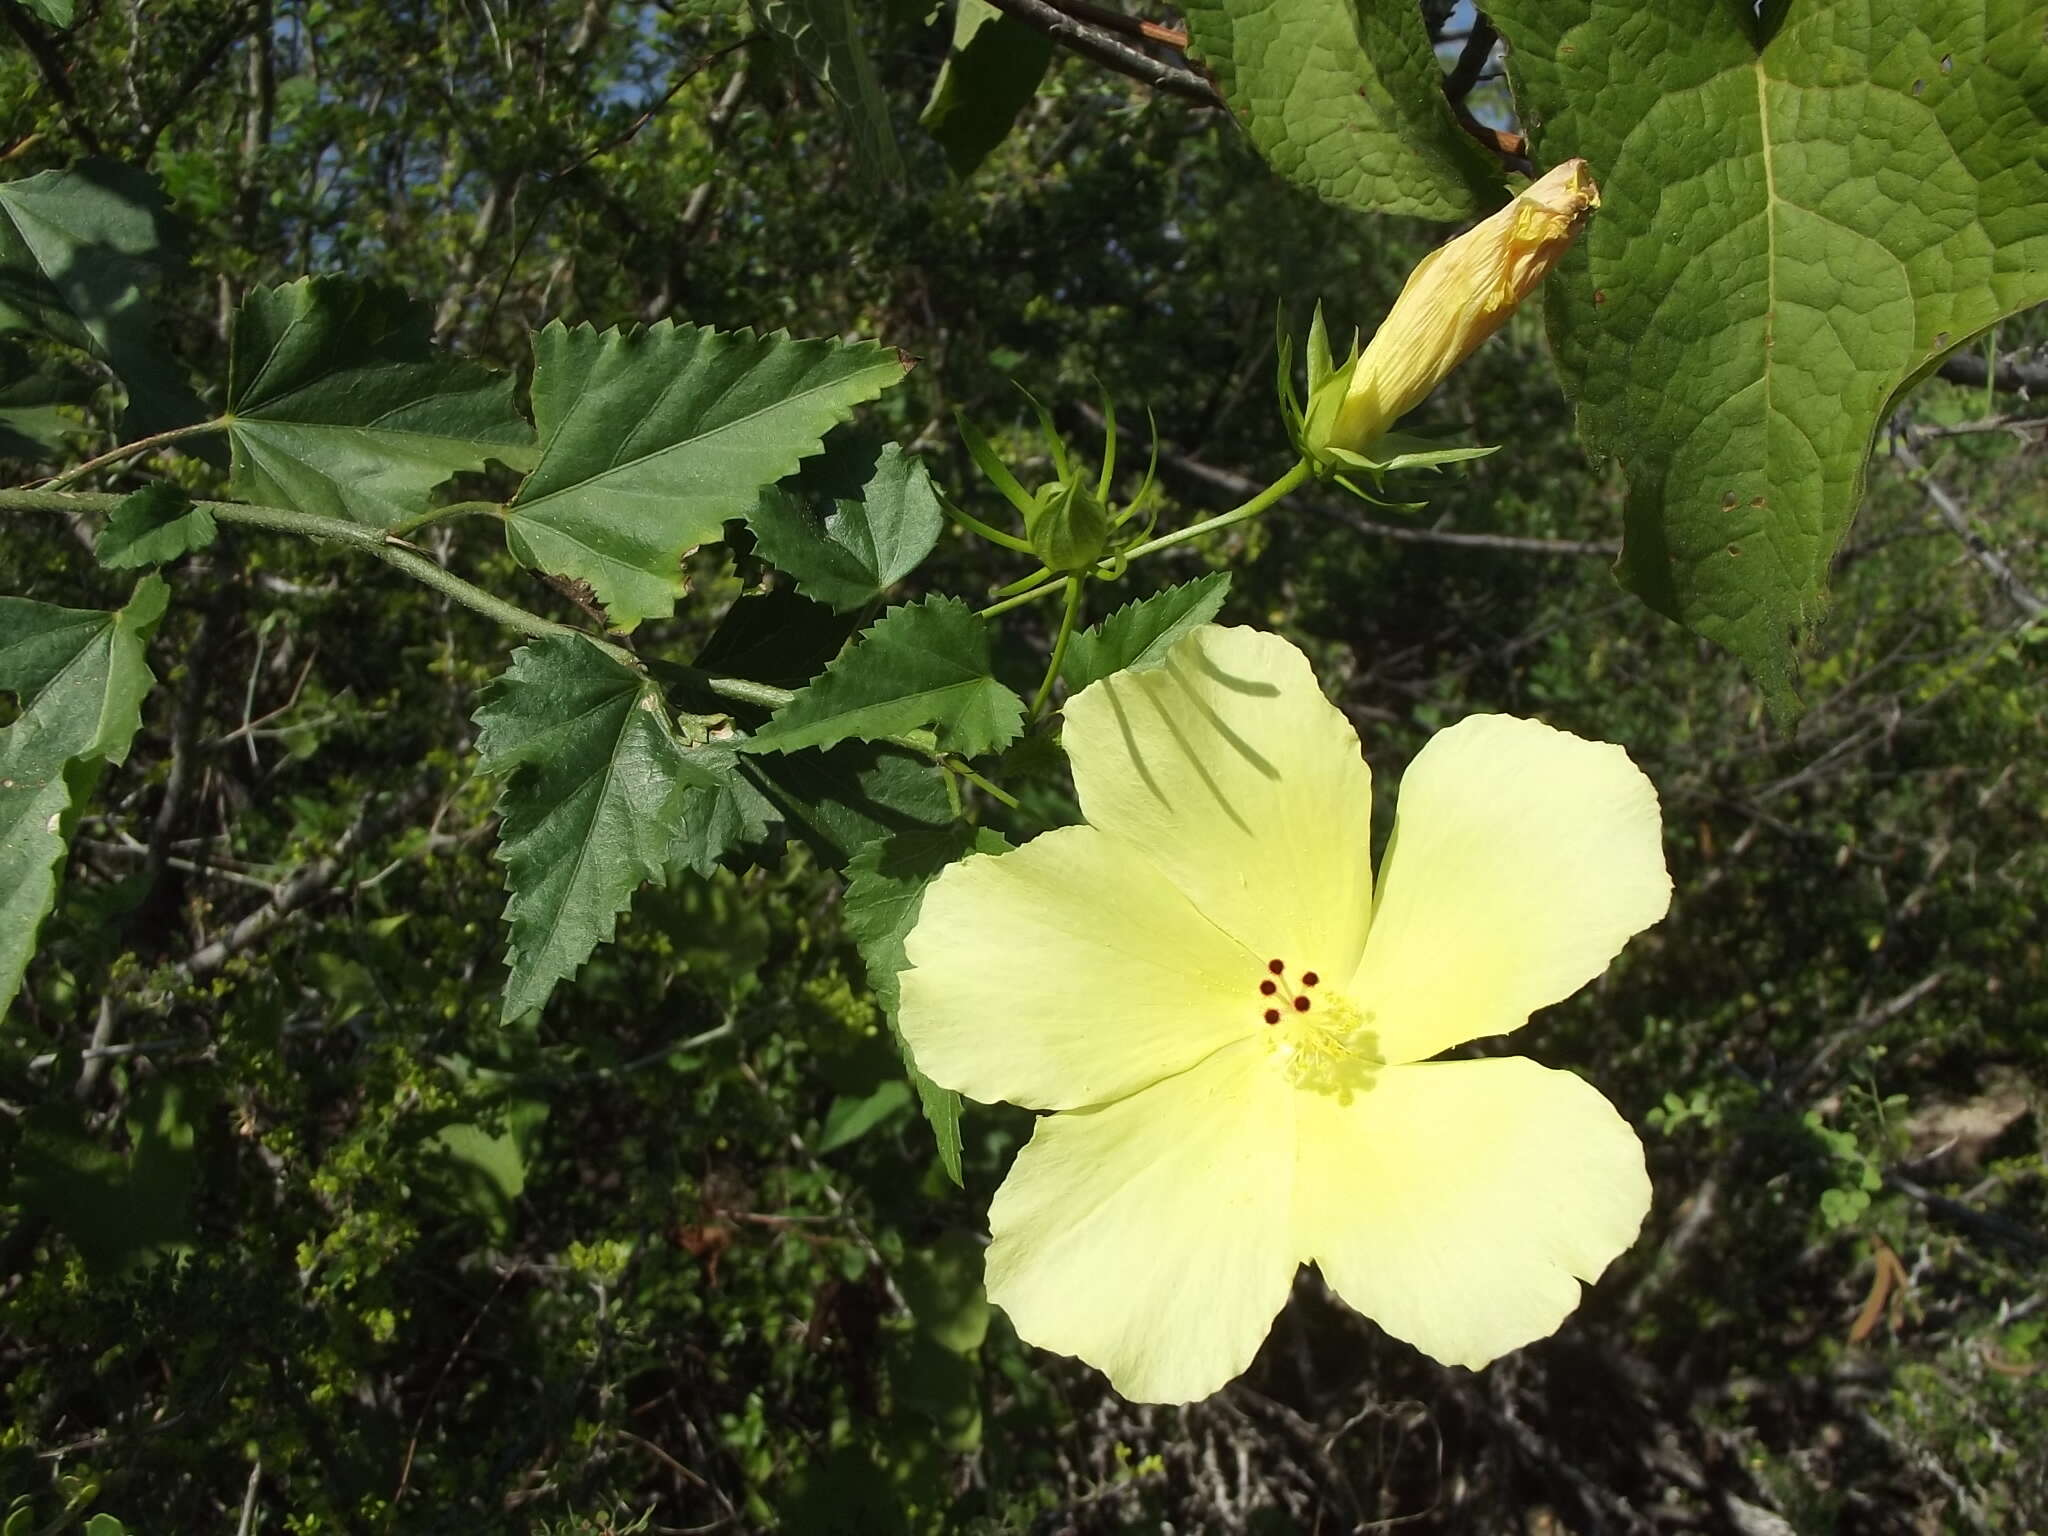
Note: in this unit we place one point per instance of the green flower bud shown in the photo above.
(1067, 526)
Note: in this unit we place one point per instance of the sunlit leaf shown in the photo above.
(1139, 634)
(80, 677)
(1792, 232)
(922, 664)
(594, 776)
(1345, 97)
(339, 403)
(885, 887)
(651, 439)
(854, 552)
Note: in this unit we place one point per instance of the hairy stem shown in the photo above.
(128, 451)
(1076, 588)
(378, 542)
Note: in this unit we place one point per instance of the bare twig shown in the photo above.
(56, 79)
(1951, 512)
(2017, 374)
(1471, 60)
(1092, 42)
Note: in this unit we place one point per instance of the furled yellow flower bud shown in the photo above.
(1460, 294)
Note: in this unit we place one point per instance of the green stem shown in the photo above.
(372, 541)
(128, 451)
(954, 766)
(1250, 509)
(1032, 595)
(453, 510)
(1238, 514)
(1075, 591)
(745, 691)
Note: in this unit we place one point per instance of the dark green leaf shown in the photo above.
(989, 77)
(1792, 232)
(339, 403)
(849, 1119)
(838, 802)
(34, 421)
(57, 13)
(1139, 634)
(651, 439)
(885, 886)
(722, 815)
(854, 553)
(154, 526)
(825, 35)
(78, 251)
(923, 664)
(773, 637)
(1346, 98)
(594, 783)
(120, 1210)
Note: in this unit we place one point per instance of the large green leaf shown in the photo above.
(1346, 98)
(594, 782)
(825, 35)
(339, 403)
(1791, 232)
(1140, 634)
(80, 677)
(851, 555)
(923, 664)
(990, 75)
(78, 251)
(120, 1210)
(651, 439)
(885, 886)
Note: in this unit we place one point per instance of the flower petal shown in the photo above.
(1454, 1202)
(1228, 769)
(1151, 1236)
(1067, 973)
(1523, 858)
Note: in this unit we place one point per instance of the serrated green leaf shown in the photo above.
(154, 526)
(78, 251)
(851, 555)
(651, 439)
(923, 664)
(1140, 634)
(885, 886)
(1791, 232)
(339, 403)
(825, 36)
(594, 781)
(1345, 97)
(837, 802)
(722, 814)
(991, 74)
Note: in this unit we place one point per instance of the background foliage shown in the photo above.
(313, 1225)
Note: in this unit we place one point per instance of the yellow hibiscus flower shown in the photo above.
(1233, 1034)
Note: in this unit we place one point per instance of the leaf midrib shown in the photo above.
(614, 470)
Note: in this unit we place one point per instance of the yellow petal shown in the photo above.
(1459, 1203)
(1457, 296)
(1151, 1236)
(1067, 973)
(1228, 769)
(1523, 858)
